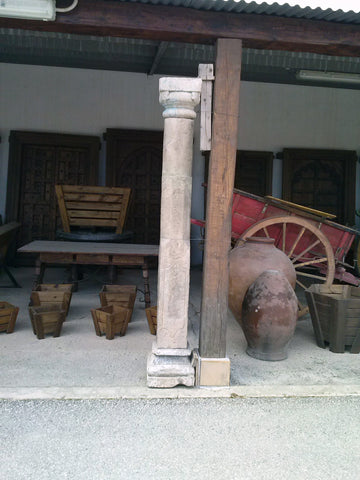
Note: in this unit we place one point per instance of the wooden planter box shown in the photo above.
(151, 315)
(52, 294)
(8, 315)
(47, 319)
(121, 295)
(335, 315)
(111, 320)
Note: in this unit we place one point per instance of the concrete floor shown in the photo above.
(86, 365)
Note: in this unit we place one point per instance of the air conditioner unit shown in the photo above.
(28, 9)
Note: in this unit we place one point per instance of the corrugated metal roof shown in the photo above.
(261, 8)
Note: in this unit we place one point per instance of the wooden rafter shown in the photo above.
(167, 23)
(158, 56)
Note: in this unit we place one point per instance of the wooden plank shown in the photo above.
(83, 222)
(103, 206)
(76, 215)
(206, 73)
(94, 197)
(215, 287)
(62, 208)
(94, 189)
(92, 259)
(54, 257)
(337, 326)
(48, 246)
(170, 23)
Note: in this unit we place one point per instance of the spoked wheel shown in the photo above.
(307, 247)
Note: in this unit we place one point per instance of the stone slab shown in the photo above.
(213, 372)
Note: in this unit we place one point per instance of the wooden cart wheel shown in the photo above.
(307, 247)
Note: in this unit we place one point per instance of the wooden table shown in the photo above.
(90, 253)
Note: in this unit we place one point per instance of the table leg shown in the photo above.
(145, 272)
(112, 274)
(75, 277)
(39, 272)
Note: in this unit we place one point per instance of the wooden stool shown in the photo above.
(8, 315)
(47, 319)
(111, 320)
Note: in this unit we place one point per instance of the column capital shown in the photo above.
(179, 96)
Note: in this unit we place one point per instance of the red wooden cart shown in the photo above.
(316, 245)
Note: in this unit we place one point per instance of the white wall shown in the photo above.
(80, 101)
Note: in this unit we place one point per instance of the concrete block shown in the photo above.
(213, 372)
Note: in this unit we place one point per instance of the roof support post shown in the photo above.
(214, 305)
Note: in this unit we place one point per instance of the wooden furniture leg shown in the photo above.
(145, 272)
(112, 274)
(39, 272)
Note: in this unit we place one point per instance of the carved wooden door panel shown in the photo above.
(321, 179)
(253, 171)
(36, 163)
(134, 159)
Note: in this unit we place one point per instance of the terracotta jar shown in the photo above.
(269, 316)
(247, 261)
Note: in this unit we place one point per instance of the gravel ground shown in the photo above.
(280, 439)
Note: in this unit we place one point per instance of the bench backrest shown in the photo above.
(89, 206)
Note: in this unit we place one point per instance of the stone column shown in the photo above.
(170, 361)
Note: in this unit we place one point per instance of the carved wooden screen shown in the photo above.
(134, 159)
(37, 161)
(321, 179)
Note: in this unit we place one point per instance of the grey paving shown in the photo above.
(77, 406)
(220, 439)
(78, 359)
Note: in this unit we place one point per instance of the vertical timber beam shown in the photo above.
(214, 304)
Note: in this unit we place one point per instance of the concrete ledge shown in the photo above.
(133, 393)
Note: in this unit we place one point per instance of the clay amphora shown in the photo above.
(247, 261)
(269, 315)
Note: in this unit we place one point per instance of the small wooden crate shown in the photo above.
(122, 295)
(52, 294)
(111, 320)
(8, 315)
(47, 319)
(151, 315)
(335, 315)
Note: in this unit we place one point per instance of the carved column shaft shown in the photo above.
(169, 364)
(179, 97)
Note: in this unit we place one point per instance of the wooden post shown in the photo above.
(214, 305)
(206, 73)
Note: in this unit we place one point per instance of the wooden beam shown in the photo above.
(214, 303)
(167, 23)
(157, 59)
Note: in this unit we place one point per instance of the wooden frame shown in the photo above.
(89, 206)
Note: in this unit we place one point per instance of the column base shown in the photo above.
(211, 372)
(169, 367)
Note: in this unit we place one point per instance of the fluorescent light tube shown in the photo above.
(331, 77)
(28, 9)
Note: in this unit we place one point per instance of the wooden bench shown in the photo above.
(7, 233)
(97, 213)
